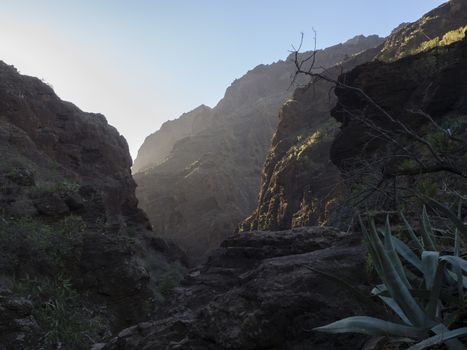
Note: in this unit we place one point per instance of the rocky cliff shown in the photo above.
(77, 259)
(424, 98)
(209, 181)
(299, 184)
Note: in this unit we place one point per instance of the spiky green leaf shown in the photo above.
(372, 326)
(391, 253)
(439, 339)
(396, 308)
(455, 261)
(437, 284)
(461, 226)
(430, 260)
(404, 251)
(427, 231)
(412, 234)
(396, 287)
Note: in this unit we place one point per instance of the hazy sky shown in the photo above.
(142, 62)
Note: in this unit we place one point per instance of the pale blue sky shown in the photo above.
(141, 62)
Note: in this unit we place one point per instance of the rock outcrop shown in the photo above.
(18, 328)
(433, 82)
(210, 179)
(424, 98)
(299, 183)
(69, 222)
(428, 32)
(257, 292)
(300, 186)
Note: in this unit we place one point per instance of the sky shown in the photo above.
(142, 62)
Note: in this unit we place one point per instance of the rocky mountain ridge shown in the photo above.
(210, 180)
(163, 140)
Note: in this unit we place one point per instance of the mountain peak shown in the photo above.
(359, 39)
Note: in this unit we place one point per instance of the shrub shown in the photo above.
(30, 245)
(58, 309)
(407, 165)
(421, 285)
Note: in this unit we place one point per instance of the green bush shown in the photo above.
(39, 258)
(58, 309)
(407, 165)
(29, 244)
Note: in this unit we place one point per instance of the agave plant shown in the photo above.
(423, 287)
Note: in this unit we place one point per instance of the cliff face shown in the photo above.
(425, 93)
(433, 82)
(69, 222)
(210, 180)
(299, 184)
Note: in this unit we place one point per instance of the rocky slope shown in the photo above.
(210, 180)
(72, 239)
(299, 183)
(256, 292)
(427, 32)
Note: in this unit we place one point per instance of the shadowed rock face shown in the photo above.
(65, 170)
(62, 142)
(210, 179)
(256, 292)
(434, 82)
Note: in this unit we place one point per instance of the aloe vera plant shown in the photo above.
(419, 285)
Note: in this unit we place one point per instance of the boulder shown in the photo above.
(263, 290)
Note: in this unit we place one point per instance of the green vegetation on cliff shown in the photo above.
(442, 40)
